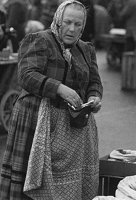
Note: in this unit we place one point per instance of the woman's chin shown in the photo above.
(68, 41)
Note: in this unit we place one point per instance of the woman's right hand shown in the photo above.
(69, 95)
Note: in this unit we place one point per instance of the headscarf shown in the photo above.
(57, 24)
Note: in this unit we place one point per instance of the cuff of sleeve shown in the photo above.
(50, 88)
(94, 93)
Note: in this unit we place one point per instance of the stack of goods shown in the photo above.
(5, 54)
(124, 155)
(126, 188)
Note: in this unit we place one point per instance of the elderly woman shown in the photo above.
(47, 157)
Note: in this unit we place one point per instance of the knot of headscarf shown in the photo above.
(57, 23)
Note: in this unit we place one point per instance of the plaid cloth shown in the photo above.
(41, 67)
(35, 52)
(20, 136)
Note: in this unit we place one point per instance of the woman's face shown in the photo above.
(72, 24)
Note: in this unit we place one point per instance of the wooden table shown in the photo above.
(111, 172)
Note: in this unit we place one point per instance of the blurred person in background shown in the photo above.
(7, 35)
(3, 37)
(3, 14)
(89, 31)
(104, 3)
(127, 16)
(48, 9)
(33, 24)
(103, 24)
(17, 16)
(36, 8)
(114, 8)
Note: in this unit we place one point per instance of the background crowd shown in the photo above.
(18, 18)
(33, 15)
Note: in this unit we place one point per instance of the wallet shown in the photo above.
(79, 116)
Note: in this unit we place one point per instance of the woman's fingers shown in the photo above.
(96, 105)
(69, 95)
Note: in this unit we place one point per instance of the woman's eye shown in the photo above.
(78, 24)
(67, 22)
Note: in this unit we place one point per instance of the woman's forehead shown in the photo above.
(74, 6)
(71, 11)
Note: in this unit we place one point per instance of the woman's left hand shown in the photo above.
(96, 105)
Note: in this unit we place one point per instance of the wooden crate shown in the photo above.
(128, 70)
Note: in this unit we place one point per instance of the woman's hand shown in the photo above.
(96, 105)
(69, 95)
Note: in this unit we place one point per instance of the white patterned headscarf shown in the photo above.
(57, 24)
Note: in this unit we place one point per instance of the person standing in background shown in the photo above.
(17, 16)
(33, 24)
(47, 12)
(128, 17)
(3, 37)
(114, 8)
(35, 12)
(89, 31)
(7, 35)
(103, 24)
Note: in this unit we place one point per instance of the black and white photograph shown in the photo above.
(67, 99)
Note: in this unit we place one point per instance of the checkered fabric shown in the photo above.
(74, 157)
(74, 152)
(40, 54)
(63, 165)
(20, 136)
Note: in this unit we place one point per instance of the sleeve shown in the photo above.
(32, 65)
(95, 87)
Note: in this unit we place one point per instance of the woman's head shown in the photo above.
(69, 21)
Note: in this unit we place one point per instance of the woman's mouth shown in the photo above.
(69, 36)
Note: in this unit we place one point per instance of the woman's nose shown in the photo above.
(72, 27)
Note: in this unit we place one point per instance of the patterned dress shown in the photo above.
(74, 152)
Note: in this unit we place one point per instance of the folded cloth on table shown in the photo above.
(106, 198)
(126, 188)
(120, 195)
(124, 155)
